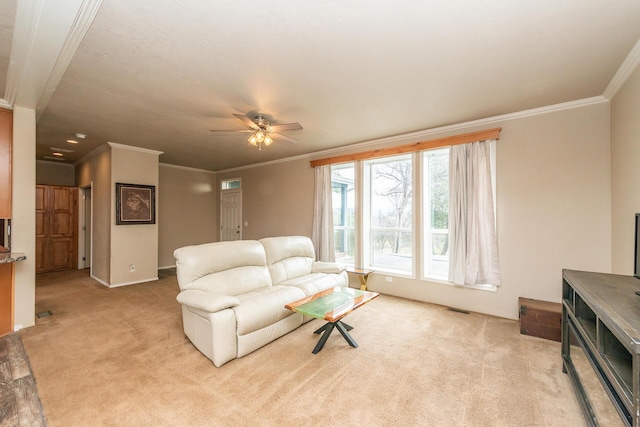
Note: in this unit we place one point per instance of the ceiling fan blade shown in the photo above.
(281, 137)
(247, 121)
(231, 131)
(285, 126)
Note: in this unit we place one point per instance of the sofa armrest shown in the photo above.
(206, 301)
(327, 267)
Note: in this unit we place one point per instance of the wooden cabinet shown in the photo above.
(6, 270)
(56, 225)
(6, 298)
(6, 130)
(601, 341)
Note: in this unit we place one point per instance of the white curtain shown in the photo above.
(457, 213)
(322, 234)
(473, 246)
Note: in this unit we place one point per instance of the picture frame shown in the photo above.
(135, 204)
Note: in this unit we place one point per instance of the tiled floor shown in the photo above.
(19, 401)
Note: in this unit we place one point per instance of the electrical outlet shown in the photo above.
(132, 268)
(388, 278)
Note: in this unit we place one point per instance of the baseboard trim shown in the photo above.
(117, 285)
(102, 282)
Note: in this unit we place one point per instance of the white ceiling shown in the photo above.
(159, 74)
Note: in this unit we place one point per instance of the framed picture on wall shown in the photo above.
(135, 204)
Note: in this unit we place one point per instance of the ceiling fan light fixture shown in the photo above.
(261, 130)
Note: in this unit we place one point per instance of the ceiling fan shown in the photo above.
(263, 132)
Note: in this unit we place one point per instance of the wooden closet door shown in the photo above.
(62, 228)
(42, 228)
(55, 228)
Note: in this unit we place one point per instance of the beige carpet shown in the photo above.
(118, 357)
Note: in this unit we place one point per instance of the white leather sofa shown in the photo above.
(233, 293)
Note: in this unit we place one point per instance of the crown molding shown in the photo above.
(48, 162)
(624, 72)
(24, 33)
(132, 148)
(167, 165)
(83, 20)
(45, 38)
(91, 154)
(428, 133)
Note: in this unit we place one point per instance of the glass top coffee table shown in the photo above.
(332, 305)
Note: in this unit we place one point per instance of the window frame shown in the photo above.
(416, 149)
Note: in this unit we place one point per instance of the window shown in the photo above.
(388, 213)
(230, 184)
(435, 185)
(380, 204)
(344, 212)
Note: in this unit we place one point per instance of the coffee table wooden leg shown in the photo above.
(345, 334)
(323, 339)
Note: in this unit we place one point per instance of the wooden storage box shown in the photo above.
(540, 318)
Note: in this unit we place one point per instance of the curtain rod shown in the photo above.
(465, 138)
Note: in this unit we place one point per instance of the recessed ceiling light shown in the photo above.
(57, 154)
(72, 141)
(81, 135)
(54, 158)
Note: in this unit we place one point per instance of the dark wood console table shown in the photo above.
(601, 320)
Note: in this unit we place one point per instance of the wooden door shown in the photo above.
(62, 228)
(42, 228)
(56, 242)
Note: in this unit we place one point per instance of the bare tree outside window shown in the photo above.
(435, 190)
(391, 209)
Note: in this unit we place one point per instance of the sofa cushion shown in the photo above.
(224, 268)
(313, 283)
(288, 257)
(263, 307)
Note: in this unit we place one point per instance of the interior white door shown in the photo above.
(230, 215)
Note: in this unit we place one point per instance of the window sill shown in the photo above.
(441, 281)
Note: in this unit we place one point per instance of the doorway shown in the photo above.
(85, 228)
(230, 215)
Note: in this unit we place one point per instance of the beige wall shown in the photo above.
(135, 245)
(51, 173)
(625, 176)
(552, 212)
(95, 172)
(277, 199)
(23, 230)
(553, 208)
(187, 209)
